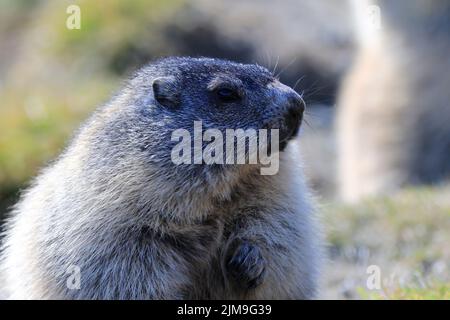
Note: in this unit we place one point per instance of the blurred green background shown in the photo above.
(51, 78)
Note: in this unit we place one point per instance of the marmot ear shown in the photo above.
(166, 91)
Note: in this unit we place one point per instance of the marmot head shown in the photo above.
(172, 93)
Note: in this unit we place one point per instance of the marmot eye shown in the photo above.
(227, 95)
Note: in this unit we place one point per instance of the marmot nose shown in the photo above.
(296, 105)
(293, 116)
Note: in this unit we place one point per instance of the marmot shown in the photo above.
(137, 226)
(394, 109)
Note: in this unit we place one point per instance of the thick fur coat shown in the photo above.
(139, 227)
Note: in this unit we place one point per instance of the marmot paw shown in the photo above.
(245, 265)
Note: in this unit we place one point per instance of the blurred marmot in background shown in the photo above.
(138, 226)
(394, 109)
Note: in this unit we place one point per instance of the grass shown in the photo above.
(435, 291)
(405, 235)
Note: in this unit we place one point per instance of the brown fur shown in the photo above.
(394, 109)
